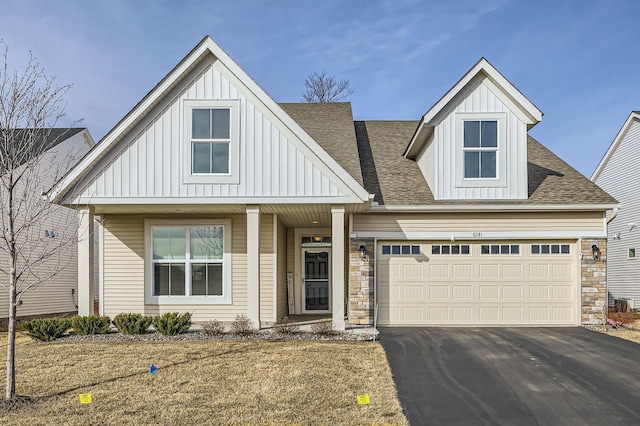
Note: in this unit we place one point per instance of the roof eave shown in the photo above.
(490, 207)
(635, 115)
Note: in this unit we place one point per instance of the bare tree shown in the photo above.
(321, 87)
(31, 103)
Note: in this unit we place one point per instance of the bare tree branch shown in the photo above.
(320, 87)
(31, 160)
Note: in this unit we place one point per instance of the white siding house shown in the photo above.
(618, 173)
(215, 199)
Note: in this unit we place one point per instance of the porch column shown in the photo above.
(337, 266)
(253, 264)
(85, 261)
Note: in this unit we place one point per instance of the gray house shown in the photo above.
(58, 294)
(619, 174)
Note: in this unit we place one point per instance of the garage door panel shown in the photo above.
(478, 287)
(439, 292)
(438, 271)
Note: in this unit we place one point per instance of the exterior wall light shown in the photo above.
(362, 249)
(596, 252)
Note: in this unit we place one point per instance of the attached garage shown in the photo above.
(469, 283)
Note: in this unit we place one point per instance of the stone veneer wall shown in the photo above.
(361, 282)
(594, 281)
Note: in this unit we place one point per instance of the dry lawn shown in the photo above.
(202, 382)
(632, 334)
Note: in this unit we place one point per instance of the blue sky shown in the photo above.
(577, 61)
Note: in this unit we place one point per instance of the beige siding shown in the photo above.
(479, 222)
(267, 256)
(282, 270)
(124, 271)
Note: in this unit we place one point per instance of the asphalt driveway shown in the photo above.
(514, 376)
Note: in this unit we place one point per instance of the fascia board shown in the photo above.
(205, 46)
(113, 136)
(492, 207)
(614, 145)
(493, 74)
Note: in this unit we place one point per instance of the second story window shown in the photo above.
(210, 140)
(480, 146)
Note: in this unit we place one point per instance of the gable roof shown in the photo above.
(398, 181)
(531, 113)
(635, 115)
(205, 47)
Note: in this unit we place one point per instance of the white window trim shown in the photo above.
(225, 299)
(501, 157)
(234, 145)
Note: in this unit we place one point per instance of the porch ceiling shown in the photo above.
(291, 215)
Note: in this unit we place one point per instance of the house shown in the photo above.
(58, 293)
(619, 174)
(219, 201)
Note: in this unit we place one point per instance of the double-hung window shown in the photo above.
(188, 263)
(211, 139)
(480, 148)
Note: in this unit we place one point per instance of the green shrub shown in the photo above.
(213, 328)
(90, 324)
(172, 323)
(132, 323)
(242, 326)
(285, 326)
(46, 329)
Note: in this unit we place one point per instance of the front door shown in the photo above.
(316, 280)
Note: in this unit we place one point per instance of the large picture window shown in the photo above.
(189, 262)
(211, 139)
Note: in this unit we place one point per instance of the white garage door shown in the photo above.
(477, 283)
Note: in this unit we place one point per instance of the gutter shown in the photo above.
(493, 207)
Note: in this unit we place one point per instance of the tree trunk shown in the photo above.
(11, 336)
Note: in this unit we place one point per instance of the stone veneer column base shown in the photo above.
(361, 282)
(593, 281)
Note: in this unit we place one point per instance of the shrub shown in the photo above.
(285, 326)
(213, 328)
(172, 323)
(46, 329)
(90, 324)
(132, 323)
(242, 326)
(324, 328)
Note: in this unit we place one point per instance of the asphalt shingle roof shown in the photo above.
(371, 151)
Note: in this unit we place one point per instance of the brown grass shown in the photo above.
(632, 334)
(203, 382)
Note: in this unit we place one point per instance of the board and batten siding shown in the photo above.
(148, 161)
(124, 269)
(430, 223)
(621, 178)
(442, 151)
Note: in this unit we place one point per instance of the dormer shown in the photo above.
(472, 144)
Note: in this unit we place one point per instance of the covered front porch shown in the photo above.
(285, 260)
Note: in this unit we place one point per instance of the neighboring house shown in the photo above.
(619, 174)
(214, 197)
(58, 294)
